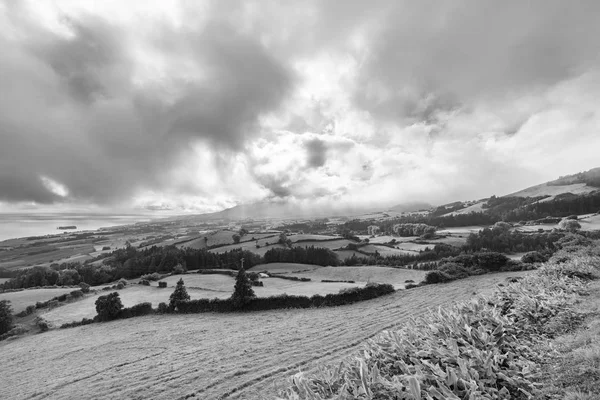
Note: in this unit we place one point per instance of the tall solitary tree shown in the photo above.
(242, 292)
(179, 294)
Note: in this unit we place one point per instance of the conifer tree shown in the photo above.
(242, 292)
(179, 294)
(6, 317)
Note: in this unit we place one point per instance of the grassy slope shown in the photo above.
(208, 355)
(20, 300)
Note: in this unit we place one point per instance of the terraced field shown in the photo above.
(207, 356)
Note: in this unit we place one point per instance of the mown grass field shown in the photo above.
(364, 275)
(20, 300)
(208, 356)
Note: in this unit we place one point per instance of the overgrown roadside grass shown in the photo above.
(572, 371)
(498, 347)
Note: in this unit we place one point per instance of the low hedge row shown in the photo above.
(345, 296)
(290, 278)
(136, 311)
(336, 281)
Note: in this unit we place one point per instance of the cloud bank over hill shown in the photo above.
(203, 105)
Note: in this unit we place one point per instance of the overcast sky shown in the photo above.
(202, 105)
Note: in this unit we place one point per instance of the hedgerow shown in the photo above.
(489, 348)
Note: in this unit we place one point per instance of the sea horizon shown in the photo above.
(21, 225)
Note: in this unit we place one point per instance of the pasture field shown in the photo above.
(385, 251)
(130, 296)
(284, 268)
(364, 275)
(387, 239)
(250, 246)
(20, 300)
(209, 356)
(329, 244)
(295, 238)
(590, 223)
(460, 230)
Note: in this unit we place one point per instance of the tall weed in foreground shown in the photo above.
(484, 349)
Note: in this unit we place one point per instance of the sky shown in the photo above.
(196, 106)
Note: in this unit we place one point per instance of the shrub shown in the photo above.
(30, 309)
(411, 285)
(435, 276)
(52, 303)
(152, 277)
(62, 297)
(40, 304)
(179, 294)
(163, 308)
(120, 286)
(85, 288)
(6, 317)
(42, 324)
(454, 270)
(162, 285)
(242, 292)
(179, 269)
(569, 225)
(108, 306)
(76, 294)
(106, 248)
(534, 257)
(136, 311)
(122, 281)
(145, 282)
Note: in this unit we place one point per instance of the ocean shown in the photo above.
(24, 225)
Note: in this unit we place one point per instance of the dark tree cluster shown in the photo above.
(303, 255)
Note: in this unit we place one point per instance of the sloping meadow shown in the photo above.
(488, 348)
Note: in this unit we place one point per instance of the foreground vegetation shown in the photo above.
(491, 347)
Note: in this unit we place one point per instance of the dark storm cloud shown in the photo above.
(74, 112)
(316, 152)
(244, 81)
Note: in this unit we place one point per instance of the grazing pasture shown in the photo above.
(130, 296)
(20, 300)
(295, 238)
(283, 268)
(209, 356)
(363, 275)
(329, 244)
(385, 251)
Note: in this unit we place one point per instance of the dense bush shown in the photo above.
(108, 306)
(6, 317)
(136, 311)
(534, 257)
(42, 324)
(152, 277)
(435, 276)
(290, 278)
(454, 270)
(145, 282)
(163, 308)
(85, 288)
(162, 284)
